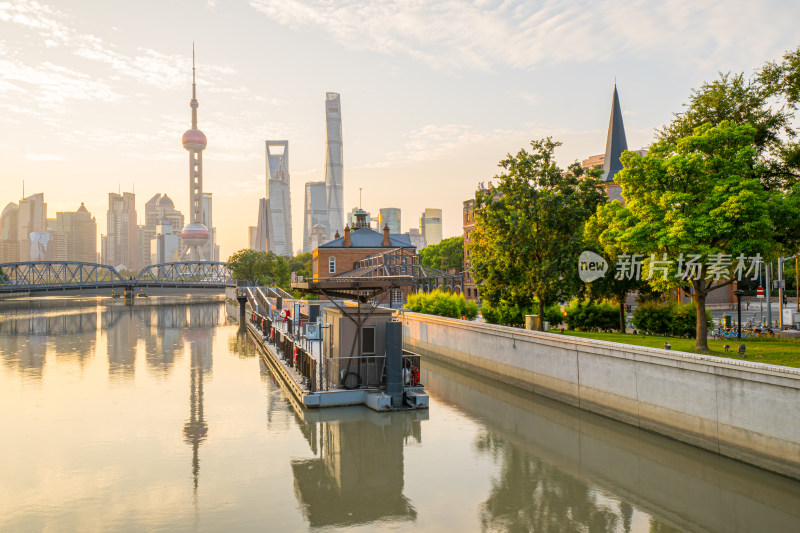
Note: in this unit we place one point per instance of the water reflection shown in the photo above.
(357, 477)
(533, 495)
(29, 328)
(562, 469)
(200, 337)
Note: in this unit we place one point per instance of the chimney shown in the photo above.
(347, 242)
(337, 235)
(387, 241)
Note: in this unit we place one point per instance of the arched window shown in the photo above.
(332, 265)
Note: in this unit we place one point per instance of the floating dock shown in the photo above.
(299, 372)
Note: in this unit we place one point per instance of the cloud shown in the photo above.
(43, 157)
(483, 35)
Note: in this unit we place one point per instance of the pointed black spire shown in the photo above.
(616, 142)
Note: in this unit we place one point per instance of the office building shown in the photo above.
(79, 229)
(430, 226)
(211, 248)
(389, 216)
(334, 164)
(31, 218)
(165, 244)
(416, 238)
(120, 244)
(315, 213)
(9, 234)
(470, 287)
(279, 202)
(258, 237)
(158, 209)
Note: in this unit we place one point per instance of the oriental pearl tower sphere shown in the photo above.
(195, 234)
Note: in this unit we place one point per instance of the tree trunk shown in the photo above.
(701, 343)
(541, 315)
(622, 314)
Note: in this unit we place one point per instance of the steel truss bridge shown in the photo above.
(43, 276)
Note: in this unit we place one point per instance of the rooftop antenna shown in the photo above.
(359, 197)
(23, 189)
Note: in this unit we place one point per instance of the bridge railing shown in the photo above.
(196, 273)
(57, 275)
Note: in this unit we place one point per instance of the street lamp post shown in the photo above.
(739, 293)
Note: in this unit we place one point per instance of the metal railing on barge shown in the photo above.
(326, 373)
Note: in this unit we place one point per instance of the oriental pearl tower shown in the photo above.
(195, 233)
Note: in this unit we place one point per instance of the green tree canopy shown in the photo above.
(529, 228)
(609, 286)
(700, 195)
(767, 101)
(447, 254)
(262, 268)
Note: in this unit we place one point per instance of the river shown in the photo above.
(160, 416)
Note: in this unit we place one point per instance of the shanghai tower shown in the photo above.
(334, 182)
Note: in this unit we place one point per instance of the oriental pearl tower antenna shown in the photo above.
(195, 233)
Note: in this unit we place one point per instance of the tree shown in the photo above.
(262, 268)
(766, 101)
(700, 195)
(301, 264)
(528, 228)
(609, 286)
(447, 254)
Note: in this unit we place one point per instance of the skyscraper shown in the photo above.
(80, 232)
(258, 240)
(315, 212)
(157, 210)
(121, 242)
(389, 216)
(211, 248)
(334, 178)
(9, 234)
(195, 234)
(279, 202)
(430, 226)
(31, 218)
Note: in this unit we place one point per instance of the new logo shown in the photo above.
(591, 266)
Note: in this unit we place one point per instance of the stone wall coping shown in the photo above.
(748, 367)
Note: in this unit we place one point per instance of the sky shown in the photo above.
(94, 96)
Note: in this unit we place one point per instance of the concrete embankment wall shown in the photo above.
(747, 411)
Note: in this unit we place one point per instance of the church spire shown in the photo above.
(615, 142)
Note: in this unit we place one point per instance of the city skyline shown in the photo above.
(87, 101)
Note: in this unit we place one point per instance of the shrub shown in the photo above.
(442, 303)
(668, 319)
(588, 315)
(654, 318)
(509, 315)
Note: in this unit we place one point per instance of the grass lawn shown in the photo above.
(773, 351)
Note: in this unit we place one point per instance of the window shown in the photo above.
(368, 340)
(332, 265)
(396, 297)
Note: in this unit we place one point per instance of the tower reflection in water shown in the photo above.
(199, 335)
(165, 330)
(357, 476)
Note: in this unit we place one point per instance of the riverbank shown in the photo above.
(738, 408)
(773, 351)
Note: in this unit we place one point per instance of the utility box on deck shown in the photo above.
(351, 364)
